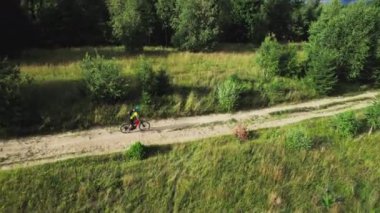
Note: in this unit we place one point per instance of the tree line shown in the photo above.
(195, 25)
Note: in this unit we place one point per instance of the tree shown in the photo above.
(166, 12)
(250, 13)
(352, 32)
(304, 13)
(262, 17)
(69, 22)
(196, 26)
(322, 69)
(16, 28)
(277, 15)
(132, 22)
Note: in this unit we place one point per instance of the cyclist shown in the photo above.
(133, 115)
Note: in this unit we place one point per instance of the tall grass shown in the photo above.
(214, 175)
(186, 68)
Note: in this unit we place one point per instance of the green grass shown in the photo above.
(187, 69)
(213, 175)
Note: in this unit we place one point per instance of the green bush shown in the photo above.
(10, 94)
(276, 59)
(322, 69)
(268, 56)
(103, 79)
(291, 64)
(297, 139)
(372, 115)
(346, 124)
(136, 152)
(356, 45)
(229, 94)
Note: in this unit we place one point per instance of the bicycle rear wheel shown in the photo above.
(124, 128)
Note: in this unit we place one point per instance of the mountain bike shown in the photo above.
(142, 124)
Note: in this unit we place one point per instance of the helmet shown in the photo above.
(136, 108)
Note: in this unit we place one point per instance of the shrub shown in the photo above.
(136, 152)
(322, 69)
(268, 56)
(372, 115)
(276, 59)
(103, 79)
(297, 139)
(229, 94)
(346, 124)
(291, 65)
(241, 132)
(10, 95)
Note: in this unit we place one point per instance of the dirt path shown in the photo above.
(38, 150)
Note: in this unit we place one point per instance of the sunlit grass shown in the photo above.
(185, 68)
(212, 175)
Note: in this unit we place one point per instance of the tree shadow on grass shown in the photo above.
(64, 56)
(184, 91)
(56, 106)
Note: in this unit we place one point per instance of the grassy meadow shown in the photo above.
(57, 100)
(213, 175)
(185, 68)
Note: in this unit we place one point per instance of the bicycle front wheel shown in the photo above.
(144, 125)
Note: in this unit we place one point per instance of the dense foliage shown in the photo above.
(276, 59)
(350, 33)
(103, 79)
(196, 27)
(69, 22)
(322, 70)
(16, 29)
(132, 22)
(192, 25)
(10, 94)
